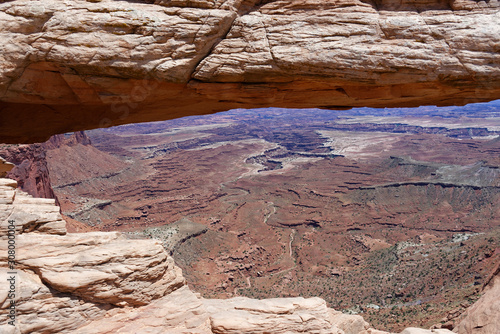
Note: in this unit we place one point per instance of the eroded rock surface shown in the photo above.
(413, 330)
(27, 214)
(65, 281)
(484, 316)
(179, 312)
(5, 167)
(83, 64)
(101, 267)
(43, 310)
(279, 315)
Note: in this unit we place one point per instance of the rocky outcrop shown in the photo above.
(177, 313)
(29, 214)
(60, 140)
(5, 167)
(97, 283)
(74, 277)
(279, 315)
(484, 316)
(76, 65)
(40, 309)
(30, 168)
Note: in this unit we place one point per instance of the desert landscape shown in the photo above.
(249, 166)
(389, 213)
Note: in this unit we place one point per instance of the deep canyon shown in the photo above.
(76, 65)
(347, 213)
(388, 213)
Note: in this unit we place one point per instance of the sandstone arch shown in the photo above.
(68, 66)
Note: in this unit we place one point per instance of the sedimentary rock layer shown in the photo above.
(5, 167)
(68, 66)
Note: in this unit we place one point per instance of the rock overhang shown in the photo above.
(86, 64)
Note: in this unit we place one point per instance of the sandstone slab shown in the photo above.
(42, 310)
(179, 312)
(5, 167)
(78, 65)
(279, 315)
(26, 213)
(414, 330)
(100, 267)
(483, 317)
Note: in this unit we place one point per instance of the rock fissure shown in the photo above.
(275, 61)
(213, 46)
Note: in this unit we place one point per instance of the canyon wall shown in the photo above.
(68, 66)
(31, 170)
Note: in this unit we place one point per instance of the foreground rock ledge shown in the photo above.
(75, 65)
(96, 283)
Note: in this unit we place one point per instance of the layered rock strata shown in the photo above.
(30, 168)
(27, 164)
(76, 65)
(65, 280)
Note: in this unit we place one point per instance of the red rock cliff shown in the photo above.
(31, 170)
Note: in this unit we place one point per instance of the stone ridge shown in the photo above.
(35, 215)
(77, 65)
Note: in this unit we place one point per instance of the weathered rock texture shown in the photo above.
(68, 66)
(27, 164)
(64, 281)
(96, 283)
(413, 330)
(5, 167)
(36, 215)
(484, 316)
(30, 170)
(280, 315)
(176, 313)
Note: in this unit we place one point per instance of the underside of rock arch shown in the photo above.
(67, 66)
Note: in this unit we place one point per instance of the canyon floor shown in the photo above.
(390, 213)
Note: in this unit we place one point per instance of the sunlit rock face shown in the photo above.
(67, 66)
(484, 316)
